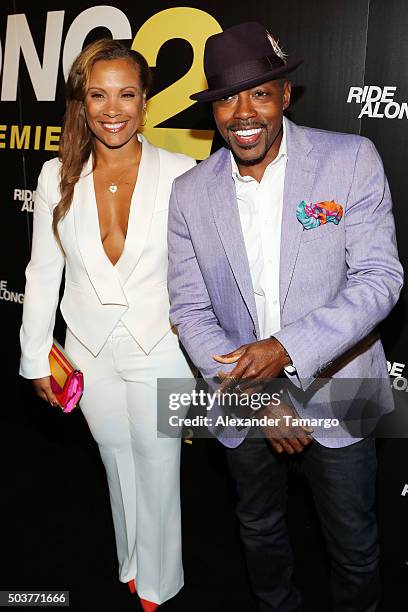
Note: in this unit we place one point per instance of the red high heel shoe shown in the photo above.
(132, 586)
(148, 606)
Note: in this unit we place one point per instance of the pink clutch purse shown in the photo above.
(67, 382)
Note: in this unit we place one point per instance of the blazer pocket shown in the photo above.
(320, 232)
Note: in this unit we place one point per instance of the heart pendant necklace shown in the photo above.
(114, 186)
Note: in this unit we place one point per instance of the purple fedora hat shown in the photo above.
(239, 58)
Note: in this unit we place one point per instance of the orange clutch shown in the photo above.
(67, 382)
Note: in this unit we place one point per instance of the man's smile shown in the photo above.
(246, 136)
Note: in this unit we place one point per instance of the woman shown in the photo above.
(101, 211)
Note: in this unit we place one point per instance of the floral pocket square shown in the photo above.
(313, 215)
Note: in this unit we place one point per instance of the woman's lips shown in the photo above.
(113, 128)
(247, 136)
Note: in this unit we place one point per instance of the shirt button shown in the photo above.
(274, 302)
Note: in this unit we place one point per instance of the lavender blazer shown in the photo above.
(337, 282)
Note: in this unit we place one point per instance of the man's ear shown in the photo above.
(287, 89)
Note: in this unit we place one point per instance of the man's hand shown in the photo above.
(283, 436)
(42, 387)
(248, 388)
(261, 360)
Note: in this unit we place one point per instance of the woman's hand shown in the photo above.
(42, 387)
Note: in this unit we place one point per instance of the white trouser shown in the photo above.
(143, 471)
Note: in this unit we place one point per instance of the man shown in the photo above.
(283, 258)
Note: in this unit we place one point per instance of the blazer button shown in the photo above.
(254, 332)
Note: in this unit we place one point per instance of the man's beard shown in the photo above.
(257, 160)
(249, 162)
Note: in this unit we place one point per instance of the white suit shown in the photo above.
(119, 335)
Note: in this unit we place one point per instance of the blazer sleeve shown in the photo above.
(43, 279)
(374, 276)
(190, 304)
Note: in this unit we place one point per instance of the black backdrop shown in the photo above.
(344, 44)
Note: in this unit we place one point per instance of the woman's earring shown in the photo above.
(146, 116)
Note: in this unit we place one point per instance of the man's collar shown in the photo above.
(283, 152)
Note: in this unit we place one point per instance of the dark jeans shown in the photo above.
(343, 486)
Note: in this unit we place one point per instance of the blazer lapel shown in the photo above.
(100, 270)
(222, 195)
(141, 209)
(299, 179)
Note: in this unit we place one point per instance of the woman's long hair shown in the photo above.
(76, 143)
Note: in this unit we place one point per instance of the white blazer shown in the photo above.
(98, 294)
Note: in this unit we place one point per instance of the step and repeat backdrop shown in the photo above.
(354, 79)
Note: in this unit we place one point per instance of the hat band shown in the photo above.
(243, 72)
